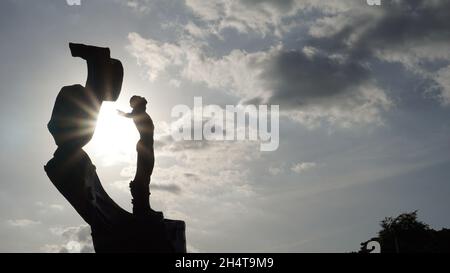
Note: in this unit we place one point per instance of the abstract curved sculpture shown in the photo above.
(71, 171)
(76, 108)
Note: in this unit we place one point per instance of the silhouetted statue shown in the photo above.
(140, 186)
(72, 125)
(76, 108)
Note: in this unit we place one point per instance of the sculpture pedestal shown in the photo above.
(113, 228)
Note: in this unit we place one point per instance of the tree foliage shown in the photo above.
(406, 234)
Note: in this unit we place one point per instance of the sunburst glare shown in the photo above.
(115, 137)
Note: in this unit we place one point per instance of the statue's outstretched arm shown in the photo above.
(123, 114)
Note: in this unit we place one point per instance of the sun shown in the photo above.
(115, 137)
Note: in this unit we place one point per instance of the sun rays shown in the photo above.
(115, 137)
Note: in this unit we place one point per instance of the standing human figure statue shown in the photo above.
(140, 186)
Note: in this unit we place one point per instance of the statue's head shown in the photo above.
(138, 103)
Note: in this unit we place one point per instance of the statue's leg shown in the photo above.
(140, 186)
(140, 201)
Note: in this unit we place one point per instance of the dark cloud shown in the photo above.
(400, 26)
(190, 175)
(409, 32)
(298, 79)
(172, 188)
(282, 5)
(406, 22)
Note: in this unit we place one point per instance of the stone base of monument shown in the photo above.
(141, 235)
(113, 228)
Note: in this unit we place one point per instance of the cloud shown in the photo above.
(191, 249)
(309, 77)
(166, 143)
(309, 85)
(412, 33)
(195, 31)
(140, 6)
(57, 207)
(442, 78)
(173, 188)
(45, 208)
(190, 167)
(303, 167)
(76, 240)
(22, 223)
(313, 86)
(154, 55)
(262, 17)
(275, 170)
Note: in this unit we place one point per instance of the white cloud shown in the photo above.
(45, 208)
(140, 6)
(57, 207)
(275, 170)
(196, 31)
(154, 55)
(191, 249)
(347, 96)
(303, 167)
(348, 27)
(22, 223)
(76, 240)
(442, 78)
(263, 17)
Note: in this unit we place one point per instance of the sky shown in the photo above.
(364, 97)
